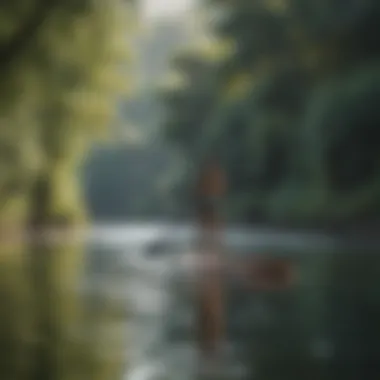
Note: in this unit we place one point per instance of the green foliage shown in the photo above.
(290, 112)
(60, 76)
(123, 182)
(294, 121)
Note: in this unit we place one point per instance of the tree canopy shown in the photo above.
(290, 112)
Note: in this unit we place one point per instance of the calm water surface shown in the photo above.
(295, 335)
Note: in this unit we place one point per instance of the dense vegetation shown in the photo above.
(126, 182)
(290, 113)
(60, 75)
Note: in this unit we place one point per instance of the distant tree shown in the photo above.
(285, 55)
(122, 182)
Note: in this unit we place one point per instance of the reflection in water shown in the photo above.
(313, 331)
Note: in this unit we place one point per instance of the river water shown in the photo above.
(296, 334)
(160, 308)
(118, 267)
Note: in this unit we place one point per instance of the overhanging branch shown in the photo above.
(26, 33)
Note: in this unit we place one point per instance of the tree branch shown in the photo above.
(26, 33)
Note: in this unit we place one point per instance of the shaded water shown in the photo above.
(323, 329)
